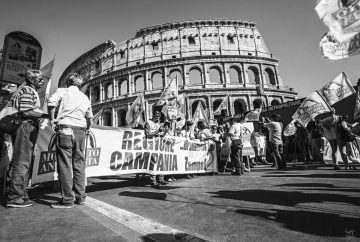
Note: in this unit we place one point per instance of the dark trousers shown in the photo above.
(71, 161)
(24, 143)
(276, 150)
(236, 158)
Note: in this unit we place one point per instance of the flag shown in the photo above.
(253, 115)
(312, 106)
(290, 129)
(44, 91)
(337, 89)
(96, 117)
(134, 114)
(175, 108)
(170, 92)
(223, 105)
(343, 21)
(200, 114)
(332, 49)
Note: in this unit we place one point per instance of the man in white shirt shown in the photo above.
(235, 133)
(71, 124)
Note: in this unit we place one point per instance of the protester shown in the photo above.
(186, 131)
(275, 131)
(204, 132)
(71, 124)
(329, 126)
(344, 141)
(235, 133)
(152, 129)
(28, 106)
(301, 140)
(317, 141)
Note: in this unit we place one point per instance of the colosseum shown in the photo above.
(212, 59)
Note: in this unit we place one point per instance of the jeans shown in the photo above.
(236, 158)
(276, 150)
(71, 161)
(24, 143)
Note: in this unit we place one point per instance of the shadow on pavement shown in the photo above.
(182, 237)
(351, 175)
(285, 198)
(323, 224)
(319, 187)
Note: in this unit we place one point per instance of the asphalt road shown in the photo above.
(300, 204)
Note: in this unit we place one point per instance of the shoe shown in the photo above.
(234, 173)
(353, 167)
(79, 202)
(155, 185)
(24, 204)
(337, 167)
(61, 205)
(188, 177)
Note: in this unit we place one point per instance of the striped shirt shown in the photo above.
(28, 99)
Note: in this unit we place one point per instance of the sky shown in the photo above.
(67, 29)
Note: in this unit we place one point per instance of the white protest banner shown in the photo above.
(312, 106)
(253, 116)
(332, 49)
(337, 89)
(116, 151)
(342, 21)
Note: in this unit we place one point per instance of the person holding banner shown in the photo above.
(71, 125)
(345, 139)
(329, 126)
(28, 106)
(152, 130)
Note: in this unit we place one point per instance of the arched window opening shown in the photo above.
(239, 106)
(270, 77)
(215, 75)
(257, 103)
(275, 102)
(253, 75)
(107, 119)
(195, 77)
(123, 87)
(235, 75)
(95, 94)
(177, 74)
(157, 81)
(139, 84)
(191, 40)
(109, 91)
(121, 117)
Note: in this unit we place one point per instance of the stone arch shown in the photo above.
(123, 87)
(107, 118)
(95, 94)
(121, 117)
(235, 75)
(275, 102)
(195, 76)
(240, 106)
(215, 105)
(253, 75)
(270, 76)
(139, 83)
(174, 73)
(157, 81)
(109, 90)
(215, 74)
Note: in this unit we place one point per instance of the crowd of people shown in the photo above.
(73, 119)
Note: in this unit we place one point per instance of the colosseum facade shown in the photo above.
(212, 59)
